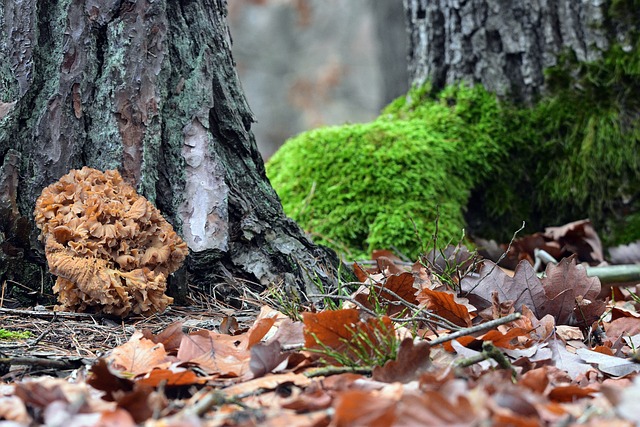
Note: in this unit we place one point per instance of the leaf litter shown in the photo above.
(529, 350)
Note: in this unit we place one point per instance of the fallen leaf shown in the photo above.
(625, 400)
(569, 362)
(216, 354)
(12, 408)
(621, 327)
(311, 399)
(455, 257)
(571, 296)
(625, 254)
(171, 377)
(580, 238)
(570, 393)
(106, 379)
(331, 328)
(412, 360)
(402, 287)
(265, 358)
(170, 337)
(443, 304)
(536, 380)
(139, 356)
(431, 408)
(524, 288)
(615, 366)
(363, 408)
(342, 331)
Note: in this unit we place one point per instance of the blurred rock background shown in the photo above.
(310, 63)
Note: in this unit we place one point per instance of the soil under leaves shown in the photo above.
(449, 340)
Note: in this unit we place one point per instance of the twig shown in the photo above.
(478, 328)
(335, 370)
(615, 273)
(503, 256)
(42, 362)
(51, 314)
(489, 351)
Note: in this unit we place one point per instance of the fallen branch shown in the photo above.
(616, 274)
(489, 351)
(45, 314)
(62, 363)
(474, 329)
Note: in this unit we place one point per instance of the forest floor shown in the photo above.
(449, 340)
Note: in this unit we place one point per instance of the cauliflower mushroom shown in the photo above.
(111, 248)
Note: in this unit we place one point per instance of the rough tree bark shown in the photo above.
(149, 88)
(505, 45)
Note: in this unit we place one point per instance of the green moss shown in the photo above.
(572, 155)
(14, 335)
(382, 184)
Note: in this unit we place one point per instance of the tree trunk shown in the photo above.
(505, 45)
(148, 88)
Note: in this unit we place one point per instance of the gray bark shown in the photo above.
(148, 88)
(503, 44)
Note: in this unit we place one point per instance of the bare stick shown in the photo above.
(478, 328)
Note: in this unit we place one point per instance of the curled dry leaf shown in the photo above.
(111, 249)
(579, 238)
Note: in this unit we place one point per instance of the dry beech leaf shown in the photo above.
(570, 393)
(170, 337)
(311, 399)
(363, 408)
(343, 331)
(139, 356)
(331, 328)
(431, 408)
(536, 380)
(12, 408)
(620, 327)
(171, 378)
(227, 355)
(267, 382)
(103, 377)
(457, 255)
(411, 361)
(216, 354)
(444, 305)
(400, 284)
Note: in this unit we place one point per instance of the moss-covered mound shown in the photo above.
(483, 163)
(382, 184)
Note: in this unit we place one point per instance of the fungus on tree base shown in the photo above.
(111, 248)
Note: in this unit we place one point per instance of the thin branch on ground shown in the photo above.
(475, 329)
